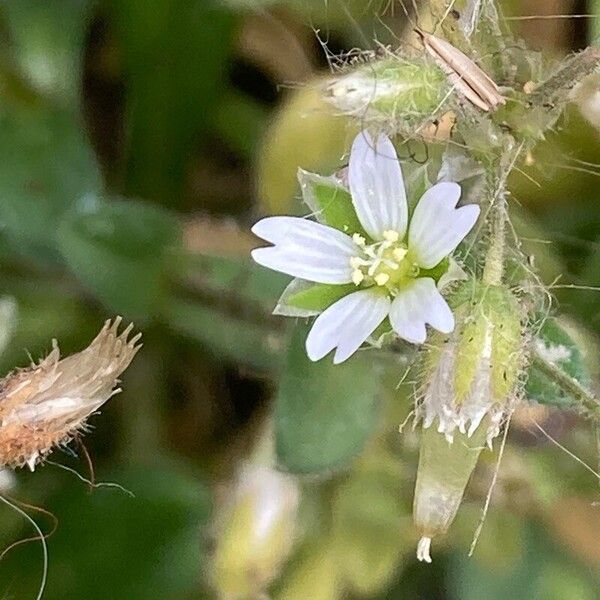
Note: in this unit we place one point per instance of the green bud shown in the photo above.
(391, 89)
(255, 533)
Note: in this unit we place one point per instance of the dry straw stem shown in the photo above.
(465, 76)
(45, 405)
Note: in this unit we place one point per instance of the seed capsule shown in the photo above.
(444, 471)
(471, 385)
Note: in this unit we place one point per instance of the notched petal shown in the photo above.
(377, 186)
(418, 304)
(346, 325)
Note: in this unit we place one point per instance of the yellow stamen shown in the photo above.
(381, 278)
(358, 239)
(399, 253)
(391, 236)
(356, 262)
(357, 276)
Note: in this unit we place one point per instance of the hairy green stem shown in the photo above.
(555, 90)
(494, 261)
(571, 386)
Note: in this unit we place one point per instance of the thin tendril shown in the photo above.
(42, 539)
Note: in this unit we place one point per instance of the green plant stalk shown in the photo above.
(586, 398)
(555, 90)
(494, 261)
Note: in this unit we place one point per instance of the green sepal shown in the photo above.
(320, 296)
(556, 347)
(330, 202)
(436, 272)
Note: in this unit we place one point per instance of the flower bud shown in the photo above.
(45, 405)
(255, 532)
(471, 385)
(390, 89)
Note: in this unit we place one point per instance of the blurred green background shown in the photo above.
(138, 142)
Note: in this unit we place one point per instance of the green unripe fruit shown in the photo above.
(471, 384)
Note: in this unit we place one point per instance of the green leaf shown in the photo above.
(330, 202)
(145, 546)
(302, 298)
(46, 166)
(235, 278)
(229, 336)
(118, 249)
(48, 41)
(555, 347)
(175, 54)
(367, 523)
(324, 413)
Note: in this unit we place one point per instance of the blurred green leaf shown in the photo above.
(369, 522)
(176, 53)
(46, 165)
(528, 579)
(238, 279)
(554, 345)
(118, 250)
(231, 337)
(240, 121)
(48, 38)
(324, 413)
(141, 547)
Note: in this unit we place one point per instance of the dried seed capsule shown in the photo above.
(45, 405)
(471, 383)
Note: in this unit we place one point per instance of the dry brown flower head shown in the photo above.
(45, 405)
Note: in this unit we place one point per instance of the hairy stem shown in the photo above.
(568, 384)
(556, 88)
(494, 261)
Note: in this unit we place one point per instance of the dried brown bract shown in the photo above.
(43, 406)
(465, 76)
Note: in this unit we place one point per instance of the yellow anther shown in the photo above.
(357, 276)
(391, 236)
(399, 253)
(381, 278)
(358, 239)
(356, 262)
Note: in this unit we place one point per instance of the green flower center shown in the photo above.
(386, 264)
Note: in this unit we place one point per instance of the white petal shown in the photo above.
(346, 324)
(305, 249)
(417, 304)
(437, 226)
(377, 187)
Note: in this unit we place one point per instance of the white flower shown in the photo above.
(387, 268)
